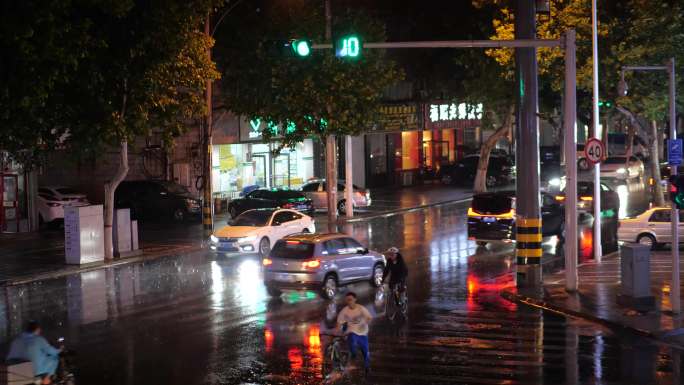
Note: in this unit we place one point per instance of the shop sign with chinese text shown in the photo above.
(452, 115)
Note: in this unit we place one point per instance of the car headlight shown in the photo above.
(555, 182)
(621, 170)
(213, 238)
(247, 239)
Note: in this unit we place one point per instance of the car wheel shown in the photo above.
(233, 212)
(179, 215)
(482, 244)
(342, 207)
(583, 164)
(273, 292)
(647, 240)
(329, 289)
(305, 231)
(264, 247)
(378, 271)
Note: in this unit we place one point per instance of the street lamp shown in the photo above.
(622, 91)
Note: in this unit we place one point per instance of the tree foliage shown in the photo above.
(86, 74)
(317, 95)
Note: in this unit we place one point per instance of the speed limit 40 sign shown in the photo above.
(594, 151)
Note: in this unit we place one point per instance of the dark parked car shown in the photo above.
(491, 216)
(610, 200)
(499, 171)
(157, 199)
(260, 199)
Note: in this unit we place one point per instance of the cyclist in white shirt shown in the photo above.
(353, 321)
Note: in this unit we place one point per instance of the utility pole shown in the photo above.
(598, 249)
(207, 204)
(675, 288)
(330, 144)
(528, 221)
(570, 146)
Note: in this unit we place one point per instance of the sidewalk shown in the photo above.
(596, 299)
(28, 257)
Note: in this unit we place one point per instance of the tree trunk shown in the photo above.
(480, 184)
(629, 146)
(110, 189)
(654, 163)
(331, 181)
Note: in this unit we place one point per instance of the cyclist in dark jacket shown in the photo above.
(396, 268)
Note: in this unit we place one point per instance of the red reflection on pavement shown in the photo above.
(294, 355)
(489, 292)
(268, 339)
(313, 340)
(586, 244)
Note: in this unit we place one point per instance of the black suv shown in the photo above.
(157, 199)
(491, 216)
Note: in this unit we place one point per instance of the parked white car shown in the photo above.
(622, 167)
(651, 228)
(316, 191)
(52, 199)
(255, 231)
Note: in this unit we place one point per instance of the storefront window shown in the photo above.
(236, 166)
(410, 150)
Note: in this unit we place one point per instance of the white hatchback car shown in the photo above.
(255, 231)
(52, 199)
(651, 228)
(622, 167)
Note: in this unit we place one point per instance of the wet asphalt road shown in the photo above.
(201, 319)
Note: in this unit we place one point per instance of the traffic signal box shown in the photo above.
(348, 47)
(677, 190)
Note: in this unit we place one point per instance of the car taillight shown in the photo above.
(311, 264)
(287, 206)
(587, 198)
(560, 198)
(267, 262)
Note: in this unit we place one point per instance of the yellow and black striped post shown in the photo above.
(528, 250)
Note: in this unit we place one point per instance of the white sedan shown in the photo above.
(622, 167)
(52, 199)
(255, 231)
(651, 228)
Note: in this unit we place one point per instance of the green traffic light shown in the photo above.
(301, 47)
(348, 47)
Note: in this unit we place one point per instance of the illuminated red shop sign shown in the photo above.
(452, 115)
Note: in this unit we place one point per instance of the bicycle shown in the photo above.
(397, 302)
(336, 356)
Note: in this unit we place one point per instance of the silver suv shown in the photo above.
(320, 261)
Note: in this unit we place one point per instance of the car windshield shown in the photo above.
(253, 218)
(615, 160)
(492, 204)
(176, 188)
(289, 249)
(66, 191)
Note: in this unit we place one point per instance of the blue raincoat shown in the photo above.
(31, 347)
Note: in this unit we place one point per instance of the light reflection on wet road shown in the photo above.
(204, 320)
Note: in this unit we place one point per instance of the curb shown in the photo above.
(390, 213)
(541, 304)
(191, 250)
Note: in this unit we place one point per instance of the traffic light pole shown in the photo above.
(570, 115)
(528, 247)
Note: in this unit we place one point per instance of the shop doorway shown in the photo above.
(281, 170)
(9, 211)
(262, 175)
